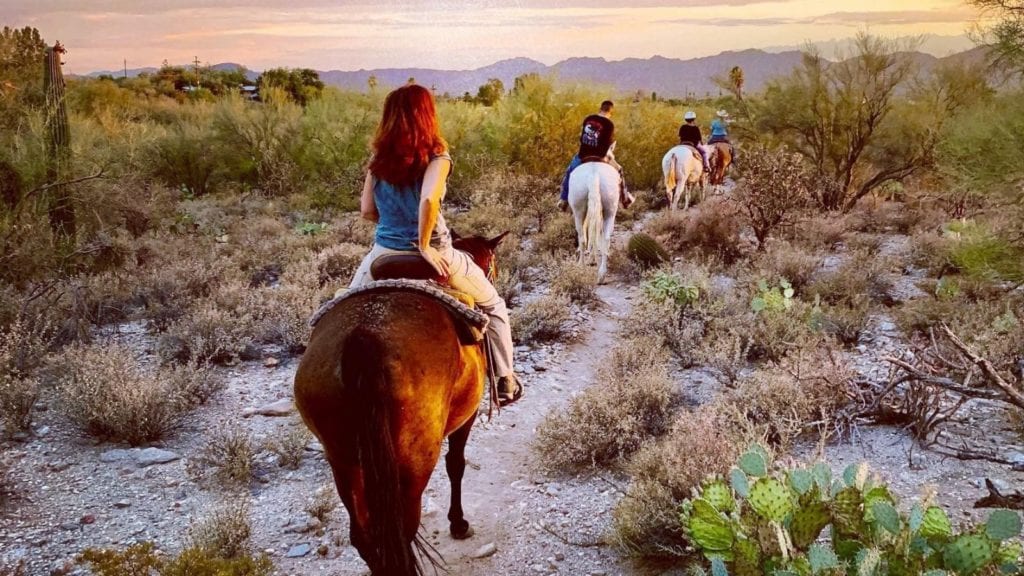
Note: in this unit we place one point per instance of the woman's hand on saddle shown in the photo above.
(435, 259)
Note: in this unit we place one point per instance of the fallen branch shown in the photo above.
(564, 540)
(943, 382)
(996, 499)
(1014, 396)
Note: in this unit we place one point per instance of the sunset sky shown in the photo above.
(452, 34)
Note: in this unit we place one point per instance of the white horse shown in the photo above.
(683, 170)
(594, 198)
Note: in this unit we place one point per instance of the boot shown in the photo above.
(510, 389)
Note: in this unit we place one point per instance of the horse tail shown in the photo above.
(371, 417)
(592, 220)
(670, 175)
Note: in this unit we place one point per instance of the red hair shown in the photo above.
(408, 135)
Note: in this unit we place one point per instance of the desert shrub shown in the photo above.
(228, 456)
(284, 316)
(726, 355)
(6, 482)
(323, 502)
(870, 244)
(791, 262)
(776, 333)
(336, 264)
(979, 252)
(103, 390)
(541, 320)
(861, 275)
(845, 321)
(557, 238)
(628, 404)
(710, 230)
(622, 265)
(773, 191)
(673, 312)
(930, 250)
(24, 347)
(224, 532)
(576, 281)
(822, 232)
(195, 382)
(221, 327)
(143, 559)
(290, 445)
(646, 520)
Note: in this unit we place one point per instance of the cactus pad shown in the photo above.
(801, 480)
(967, 554)
(807, 523)
(1003, 524)
(718, 494)
(754, 463)
(821, 558)
(846, 511)
(936, 523)
(646, 251)
(770, 499)
(886, 516)
(740, 484)
(709, 529)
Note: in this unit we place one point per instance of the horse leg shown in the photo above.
(455, 464)
(604, 245)
(581, 241)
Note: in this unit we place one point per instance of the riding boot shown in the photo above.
(624, 195)
(510, 389)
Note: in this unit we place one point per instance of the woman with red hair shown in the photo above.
(402, 193)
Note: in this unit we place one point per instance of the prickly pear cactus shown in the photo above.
(718, 494)
(807, 523)
(709, 529)
(646, 251)
(936, 523)
(771, 499)
(847, 515)
(967, 554)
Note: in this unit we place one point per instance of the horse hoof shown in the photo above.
(462, 531)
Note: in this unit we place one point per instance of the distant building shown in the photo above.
(251, 93)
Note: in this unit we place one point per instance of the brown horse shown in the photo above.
(721, 158)
(384, 380)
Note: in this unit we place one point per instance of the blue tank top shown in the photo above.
(718, 128)
(399, 208)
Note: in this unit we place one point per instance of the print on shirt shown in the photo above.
(591, 134)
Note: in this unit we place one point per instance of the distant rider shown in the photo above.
(720, 134)
(597, 140)
(689, 134)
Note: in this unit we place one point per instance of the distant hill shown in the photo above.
(669, 77)
(133, 72)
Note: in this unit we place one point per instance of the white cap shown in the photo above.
(690, 115)
(723, 114)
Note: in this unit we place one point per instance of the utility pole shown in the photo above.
(196, 62)
(126, 68)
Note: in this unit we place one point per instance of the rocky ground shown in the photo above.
(73, 493)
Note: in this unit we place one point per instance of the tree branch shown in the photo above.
(1015, 396)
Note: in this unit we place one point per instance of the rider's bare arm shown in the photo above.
(367, 206)
(434, 182)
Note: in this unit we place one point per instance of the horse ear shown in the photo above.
(493, 242)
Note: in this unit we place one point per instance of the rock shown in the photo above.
(87, 519)
(1016, 460)
(303, 525)
(282, 407)
(115, 455)
(151, 456)
(271, 362)
(43, 431)
(250, 352)
(122, 504)
(298, 550)
(484, 551)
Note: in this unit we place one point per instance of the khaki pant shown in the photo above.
(466, 277)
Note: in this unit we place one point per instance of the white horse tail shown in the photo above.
(592, 220)
(670, 175)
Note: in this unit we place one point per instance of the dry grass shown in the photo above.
(558, 237)
(541, 320)
(228, 456)
(290, 445)
(323, 502)
(712, 230)
(576, 281)
(225, 531)
(336, 264)
(861, 275)
(676, 328)
(792, 262)
(103, 390)
(726, 355)
(24, 348)
(700, 442)
(6, 482)
(822, 232)
(627, 405)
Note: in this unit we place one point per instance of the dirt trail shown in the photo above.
(507, 499)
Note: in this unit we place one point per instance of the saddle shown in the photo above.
(587, 159)
(411, 273)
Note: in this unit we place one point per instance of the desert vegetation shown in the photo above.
(867, 269)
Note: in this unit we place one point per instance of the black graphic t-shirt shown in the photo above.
(689, 134)
(597, 136)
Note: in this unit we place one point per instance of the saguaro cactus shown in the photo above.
(61, 208)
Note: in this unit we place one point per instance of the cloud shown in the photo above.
(879, 18)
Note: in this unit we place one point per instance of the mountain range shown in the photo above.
(668, 77)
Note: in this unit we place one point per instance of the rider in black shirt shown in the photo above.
(689, 134)
(596, 139)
